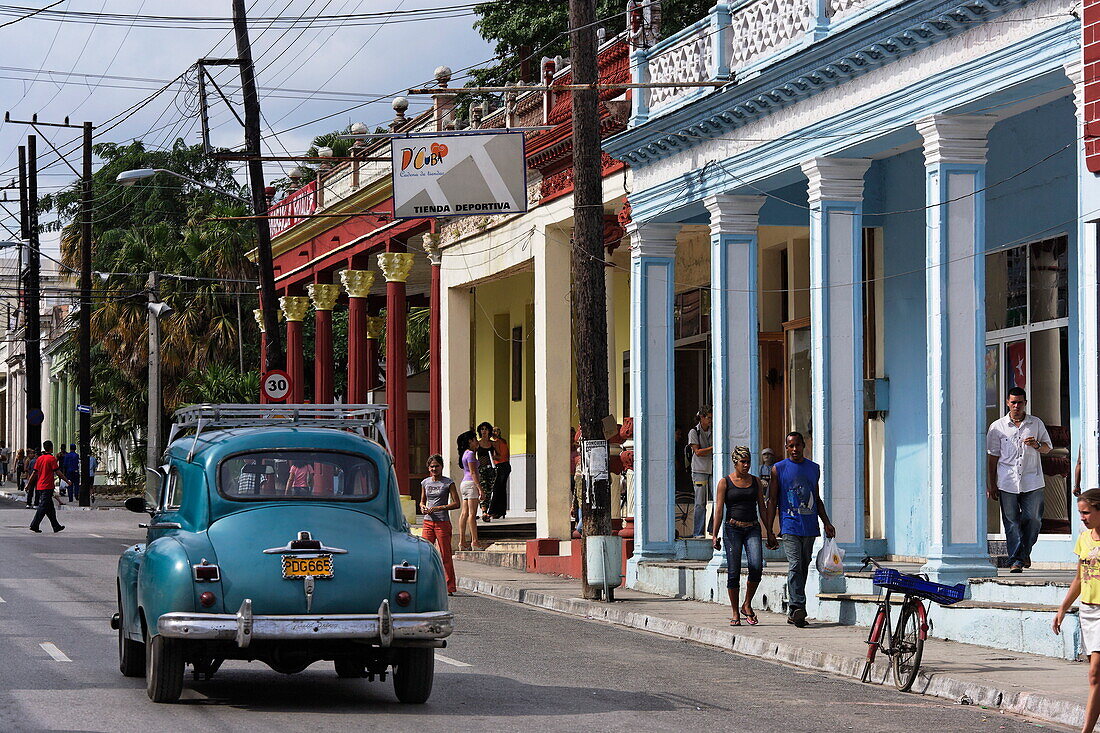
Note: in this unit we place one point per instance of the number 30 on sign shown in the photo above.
(276, 385)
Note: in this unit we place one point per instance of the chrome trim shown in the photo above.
(161, 525)
(303, 535)
(405, 564)
(195, 573)
(243, 631)
(243, 626)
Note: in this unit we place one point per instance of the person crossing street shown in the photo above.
(42, 479)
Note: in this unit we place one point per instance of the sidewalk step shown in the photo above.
(513, 560)
(1002, 605)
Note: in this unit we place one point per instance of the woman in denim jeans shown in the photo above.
(739, 507)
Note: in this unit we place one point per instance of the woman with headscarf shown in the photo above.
(486, 470)
(738, 513)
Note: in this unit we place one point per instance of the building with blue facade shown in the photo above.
(901, 227)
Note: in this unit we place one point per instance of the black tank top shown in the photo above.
(741, 503)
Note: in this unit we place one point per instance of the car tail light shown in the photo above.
(403, 598)
(404, 573)
(207, 598)
(204, 572)
(305, 544)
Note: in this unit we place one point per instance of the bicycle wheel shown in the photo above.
(873, 640)
(908, 644)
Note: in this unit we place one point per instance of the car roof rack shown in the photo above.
(365, 419)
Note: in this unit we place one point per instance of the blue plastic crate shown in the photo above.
(915, 586)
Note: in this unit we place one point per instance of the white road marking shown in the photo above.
(452, 662)
(2, 600)
(95, 535)
(53, 651)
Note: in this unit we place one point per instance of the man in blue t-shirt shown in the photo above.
(793, 491)
(70, 466)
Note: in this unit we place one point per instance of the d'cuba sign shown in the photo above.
(459, 174)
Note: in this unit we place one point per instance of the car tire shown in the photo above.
(413, 674)
(349, 668)
(131, 654)
(164, 669)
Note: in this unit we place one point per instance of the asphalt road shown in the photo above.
(506, 668)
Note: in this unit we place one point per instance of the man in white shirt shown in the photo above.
(1014, 443)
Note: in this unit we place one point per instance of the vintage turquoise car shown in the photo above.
(277, 535)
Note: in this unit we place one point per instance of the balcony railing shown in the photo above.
(732, 39)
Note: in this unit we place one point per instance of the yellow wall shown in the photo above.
(499, 307)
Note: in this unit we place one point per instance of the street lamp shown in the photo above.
(157, 309)
(129, 178)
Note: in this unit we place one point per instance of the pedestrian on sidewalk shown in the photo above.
(469, 490)
(1014, 443)
(42, 479)
(70, 465)
(498, 507)
(20, 462)
(793, 492)
(1086, 586)
(5, 459)
(438, 496)
(702, 461)
(738, 510)
(487, 473)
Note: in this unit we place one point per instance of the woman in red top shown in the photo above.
(299, 479)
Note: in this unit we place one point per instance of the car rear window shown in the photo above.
(296, 475)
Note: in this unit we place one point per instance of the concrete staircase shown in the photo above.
(1010, 612)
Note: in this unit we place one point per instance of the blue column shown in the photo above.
(954, 153)
(1087, 433)
(652, 270)
(734, 330)
(836, 341)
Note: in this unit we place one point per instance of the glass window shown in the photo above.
(1049, 280)
(1006, 289)
(304, 474)
(992, 383)
(173, 493)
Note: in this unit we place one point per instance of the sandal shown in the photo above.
(750, 617)
(735, 622)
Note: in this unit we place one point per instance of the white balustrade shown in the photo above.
(692, 59)
(765, 27)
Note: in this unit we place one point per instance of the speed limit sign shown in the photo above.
(276, 385)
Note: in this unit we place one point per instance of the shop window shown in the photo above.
(1027, 346)
(691, 313)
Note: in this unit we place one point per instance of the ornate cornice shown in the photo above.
(847, 54)
(836, 179)
(395, 266)
(376, 326)
(734, 214)
(961, 139)
(357, 283)
(295, 307)
(323, 295)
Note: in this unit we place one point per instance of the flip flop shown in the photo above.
(750, 617)
(735, 622)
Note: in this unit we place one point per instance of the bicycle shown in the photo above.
(904, 644)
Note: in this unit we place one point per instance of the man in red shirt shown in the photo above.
(41, 477)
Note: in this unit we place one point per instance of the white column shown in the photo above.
(1087, 433)
(652, 380)
(734, 330)
(954, 155)
(836, 340)
(455, 320)
(553, 370)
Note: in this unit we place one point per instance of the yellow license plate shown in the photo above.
(300, 567)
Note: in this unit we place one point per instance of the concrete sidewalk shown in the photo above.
(1040, 687)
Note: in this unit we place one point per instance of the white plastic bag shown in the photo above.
(830, 559)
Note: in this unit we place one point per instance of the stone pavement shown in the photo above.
(1040, 687)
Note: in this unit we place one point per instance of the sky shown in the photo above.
(322, 70)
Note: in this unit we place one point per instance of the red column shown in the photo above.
(324, 297)
(357, 283)
(395, 266)
(295, 308)
(435, 362)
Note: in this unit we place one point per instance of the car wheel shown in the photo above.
(413, 673)
(131, 654)
(163, 669)
(348, 668)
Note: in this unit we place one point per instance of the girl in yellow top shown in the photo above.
(1086, 585)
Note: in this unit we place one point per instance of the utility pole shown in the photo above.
(32, 330)
(589, 292)
(276, 359)
(154, 431)
(84, 336)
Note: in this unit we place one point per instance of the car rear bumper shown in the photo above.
(383, 628)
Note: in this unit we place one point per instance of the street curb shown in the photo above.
(21, 497)
(967, 692)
